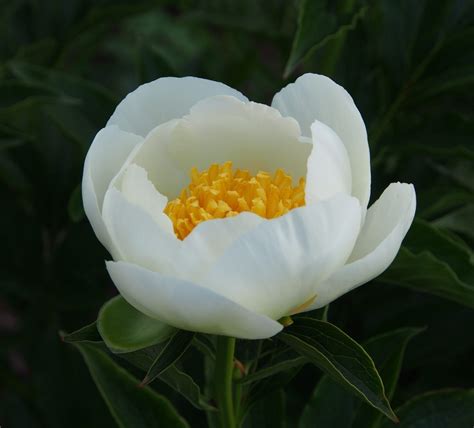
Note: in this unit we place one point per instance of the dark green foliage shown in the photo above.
(64, 65)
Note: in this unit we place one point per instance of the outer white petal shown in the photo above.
(329, 168)
(140, 191)
(253, 136)
(209, 240)
(387, 223)
(164, 99)
(139, 239)
(186, 305)
(277, 266)
(107, 153)
(315, 97)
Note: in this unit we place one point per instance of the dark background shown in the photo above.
(66, 64)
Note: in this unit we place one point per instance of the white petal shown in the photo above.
(186, 305)
(153, 157)
(164, 99)
(315, 97)
(137, 237)
(386, 224)
(105, 157)
(278, 265)
(140, 191)
(329, 168)
(209, 240)
(252, 136)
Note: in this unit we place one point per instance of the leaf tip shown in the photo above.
(144, 382)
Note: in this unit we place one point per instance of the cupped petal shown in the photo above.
(277, 266)
(164, 99)
(141, 240)
(188, 306)
(140, 191)
(315, 97)
(253, 136)
(106, 155)
(386, 224)
(137, 237)
(329, 168)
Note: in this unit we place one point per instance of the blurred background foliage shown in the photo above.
(65, 65)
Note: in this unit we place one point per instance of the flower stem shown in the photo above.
(223, 379)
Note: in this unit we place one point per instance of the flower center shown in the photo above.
(220, 192)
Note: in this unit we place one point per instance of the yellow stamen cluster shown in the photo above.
(220, 192)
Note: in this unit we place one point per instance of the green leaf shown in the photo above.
(319, 410)
(130, 405)
(317, 25)
(124, 329)
(185, 385)
(87, 333)
(143, 359)
(387, 351)
(170, 354)
(341, 357)
(181, 382)
(459, 221)
(453, 408)
(434, 262)
(273, 369)
(269, 412)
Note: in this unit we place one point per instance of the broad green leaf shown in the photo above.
(341, 357)
(330, 405)
(130, 405)
(185, 385)
(93, 99)
(87, 333)
(387, 351)
(143, 359)
(170, 354)
(263, 388)
(450, 408)
(273, 369)
(434, 262)
(317, 25)
(204, 345)
(124, 329)
(269, 412)
(460, 221)
(175, 378)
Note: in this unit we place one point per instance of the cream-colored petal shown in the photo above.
(253, 136)
(315, 97)
(329, 168)
(209, 240)
(188, 306)
(140, 191)
(278, 265)
(386, 224)
(164, 99)
(153, 157)
(141, 240)
(106, 155)
(137, 237)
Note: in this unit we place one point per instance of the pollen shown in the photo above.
(221, 192)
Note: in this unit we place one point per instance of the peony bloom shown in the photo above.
(224, 215)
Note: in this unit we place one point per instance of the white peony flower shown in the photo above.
(224, 215)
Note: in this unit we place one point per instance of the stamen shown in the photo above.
(219, 192)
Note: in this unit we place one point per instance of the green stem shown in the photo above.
(223, 380)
